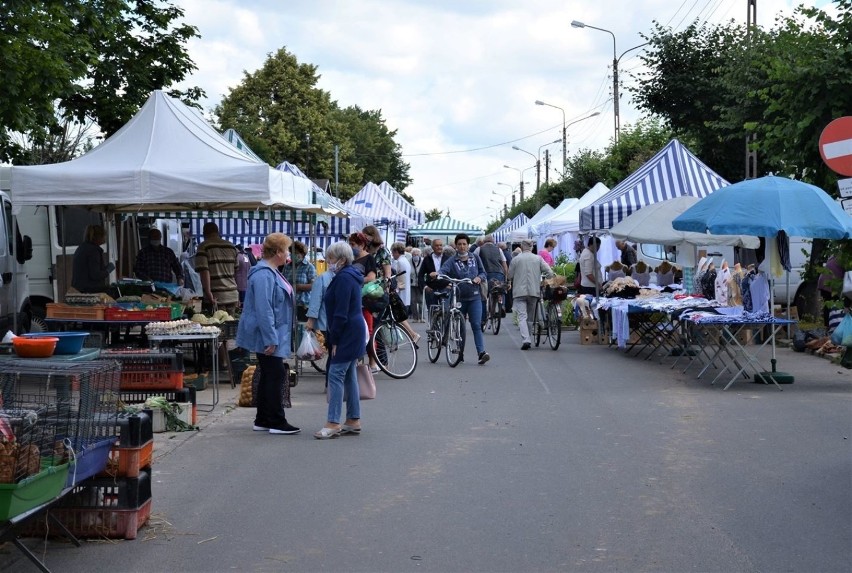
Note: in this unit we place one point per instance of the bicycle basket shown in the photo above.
(558, 293)
(497, 286)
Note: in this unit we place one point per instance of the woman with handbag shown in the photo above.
(346, 342)
(365, 262)
(265, 327)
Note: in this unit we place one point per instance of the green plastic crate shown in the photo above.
(31, 492)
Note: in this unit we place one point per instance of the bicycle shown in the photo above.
(546, 318)
(494, 305)
(446, 331)
(391, 346)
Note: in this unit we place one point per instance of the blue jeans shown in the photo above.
(343, 381)
(473, 310)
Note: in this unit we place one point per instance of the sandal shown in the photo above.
(346, 429)
(327, 433)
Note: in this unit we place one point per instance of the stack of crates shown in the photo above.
(148, 370)
(115, 504)
(185, 397)
(78, 400)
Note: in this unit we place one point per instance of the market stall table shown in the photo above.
(742, 356)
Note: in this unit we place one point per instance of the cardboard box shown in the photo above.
(745, 336)
(588, 323)
(589, 336)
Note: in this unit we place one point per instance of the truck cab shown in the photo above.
(15, 251)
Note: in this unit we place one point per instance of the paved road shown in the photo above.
(582, 459)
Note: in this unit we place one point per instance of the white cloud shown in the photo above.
(452, 76)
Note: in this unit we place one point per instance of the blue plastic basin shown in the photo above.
(69, 342)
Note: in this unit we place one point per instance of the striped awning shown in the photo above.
(444, 226)
(502, 233)
(416, 215)
(373, 205)
(253, 231)
(673, 172)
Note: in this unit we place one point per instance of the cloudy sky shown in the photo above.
(457, 78)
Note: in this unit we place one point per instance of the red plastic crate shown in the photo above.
(118, 313)
(128, 462)
(93, 522)
(152, 380)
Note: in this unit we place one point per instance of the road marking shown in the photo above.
(525, 354)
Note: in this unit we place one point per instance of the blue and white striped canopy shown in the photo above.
(444, 226)
(373, 205)
(673, 172)
(253, 231)
(502, 233)
(416, 215)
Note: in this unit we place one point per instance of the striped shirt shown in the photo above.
(220, 258)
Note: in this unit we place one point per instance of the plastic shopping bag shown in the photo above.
(842, 335)
(310, 348)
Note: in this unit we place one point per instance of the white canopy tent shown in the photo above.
(523, 232)
(166, 158)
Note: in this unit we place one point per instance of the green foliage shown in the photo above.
(283, 115)
(86, 60)
(433, 215)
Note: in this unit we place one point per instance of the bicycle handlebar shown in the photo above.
(455, 281)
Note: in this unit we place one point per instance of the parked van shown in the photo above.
(800, 249)
(50, 238)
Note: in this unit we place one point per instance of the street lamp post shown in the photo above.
(546, 168)
(503, 196)
(537, 169)
(615, 60)
(564, 131)
(521, 179)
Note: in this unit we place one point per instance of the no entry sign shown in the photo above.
(835, 145)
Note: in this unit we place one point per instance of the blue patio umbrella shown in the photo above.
(765, 206)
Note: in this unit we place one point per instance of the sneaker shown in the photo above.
(483, 357)
(525, 346)
(257, 428)
(285, 428)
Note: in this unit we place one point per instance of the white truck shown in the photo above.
(50, 236)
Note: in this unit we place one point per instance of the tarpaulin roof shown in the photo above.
(674, 171)
(401, 203)
(523, 232)
(444, 226)
(502, 233)
(375, 206)
(167, 157)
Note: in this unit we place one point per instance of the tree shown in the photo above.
(282, 115)
(86, 60)
(433, 215)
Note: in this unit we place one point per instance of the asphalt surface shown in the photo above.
(582, 459)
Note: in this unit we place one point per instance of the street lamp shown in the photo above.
(521, 179)
(537, 169)
(564, 127)
(615, 60)
(546, 166)
(503, 196)
(511, 189)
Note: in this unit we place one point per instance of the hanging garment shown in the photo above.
(708, 284)
(721, 286)
(745, 289)
(759, 293)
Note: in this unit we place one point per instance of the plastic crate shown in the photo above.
(197, 381)
(21, 497)
(145, 360)
(118, 313)
(182, 395)
(152, 380)
(114, 508)
(132, 430)
(129, 462)
(59, 310)
(89, 459)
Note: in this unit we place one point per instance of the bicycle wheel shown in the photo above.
(454, 348)
(494, 309)
(433, 337)
(554, 326)
(394, 350)
(537, 323)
